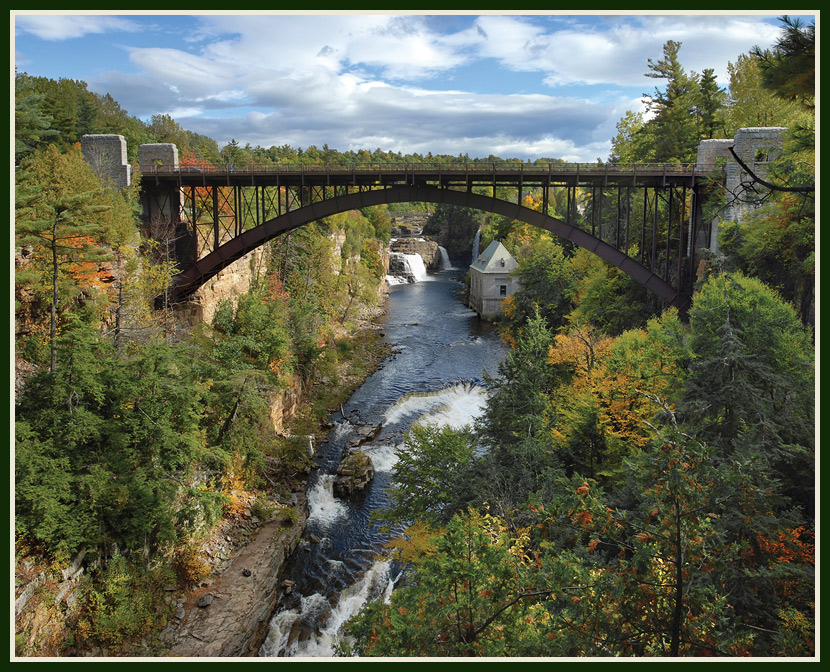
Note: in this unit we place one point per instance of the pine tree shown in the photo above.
(518, 403)
(31, 125)
(58, 202)
(673, 128)
(711, 100)
(789, 68)
(751, 388)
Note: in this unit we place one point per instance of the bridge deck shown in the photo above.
(448, 175)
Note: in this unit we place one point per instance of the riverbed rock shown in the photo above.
(364, 434)
(237, 622)
(354, 473)
(408, 224)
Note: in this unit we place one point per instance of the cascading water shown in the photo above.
(406, 268)
(476, 245)
(435, 377)
(446, 264)
(417, 266)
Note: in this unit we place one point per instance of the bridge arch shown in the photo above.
(190, 279)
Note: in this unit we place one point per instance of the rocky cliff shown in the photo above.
(454, 228)
(230, 283)
(428, 250)
(409, 224)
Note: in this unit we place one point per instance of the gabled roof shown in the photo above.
(495, 259)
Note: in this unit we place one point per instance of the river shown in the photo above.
(441, 350)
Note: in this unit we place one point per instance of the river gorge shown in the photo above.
(441, 350)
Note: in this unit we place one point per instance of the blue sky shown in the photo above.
(514, 85)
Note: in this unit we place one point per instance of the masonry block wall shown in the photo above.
(107, 154)
(157, 155)
(756, 147)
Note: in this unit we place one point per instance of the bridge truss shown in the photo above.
(644, 218)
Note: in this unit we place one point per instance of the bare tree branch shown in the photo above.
(769, 185)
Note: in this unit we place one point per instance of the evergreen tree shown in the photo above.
(31, 125)
(518, 403)
(711, 99)
(673, 125)
(60, 220)
(750, 389)
(789, 71)
(105, 448)
(231, 153)
(789, 68)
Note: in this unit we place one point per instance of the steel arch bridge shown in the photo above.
(643, 219)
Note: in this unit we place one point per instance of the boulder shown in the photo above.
(354, 473)
(364, 434)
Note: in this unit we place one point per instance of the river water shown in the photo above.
(441, 350)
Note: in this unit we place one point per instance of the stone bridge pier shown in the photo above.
(161, 208)
(756, 147)
(107, 154)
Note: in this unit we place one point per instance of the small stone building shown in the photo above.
(490, 280)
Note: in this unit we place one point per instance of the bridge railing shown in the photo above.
(470, 167)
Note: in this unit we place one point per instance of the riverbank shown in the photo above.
(228, 614)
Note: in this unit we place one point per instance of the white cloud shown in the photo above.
(357, 80)
(418, 120)
(56, 27)
(617, 50)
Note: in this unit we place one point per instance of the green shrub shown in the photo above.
(262, 507)
(121, 602)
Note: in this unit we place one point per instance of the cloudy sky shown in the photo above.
(513, 85)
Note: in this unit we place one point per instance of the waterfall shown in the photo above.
(446, 264)
(324, 507)
(293, 632)
(417, 266)
(313, 626)
(476, 243)
(454, 406)
(404, 268)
